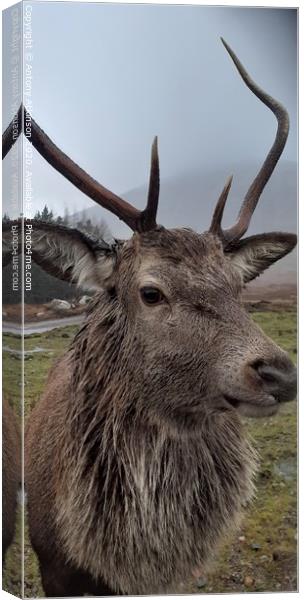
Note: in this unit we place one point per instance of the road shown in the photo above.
(41, 326)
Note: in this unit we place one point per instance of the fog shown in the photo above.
(108, 78)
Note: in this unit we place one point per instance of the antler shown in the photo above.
(264, 174)
(138, 220)
(12, 132)
(146, 220)
(148, 216)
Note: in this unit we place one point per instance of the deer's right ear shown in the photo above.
(64, 252)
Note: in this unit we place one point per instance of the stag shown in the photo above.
(11, 468)
(137, 462)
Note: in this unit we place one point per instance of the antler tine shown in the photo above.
(12, 132)
(148, 216)
(137, 220)
(255, 190)
(219, 210)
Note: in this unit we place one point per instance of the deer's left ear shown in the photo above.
(253, 255)
(63, 252)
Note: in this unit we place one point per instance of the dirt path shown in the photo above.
(42, 326)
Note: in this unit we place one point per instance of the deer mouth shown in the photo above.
(266, 408)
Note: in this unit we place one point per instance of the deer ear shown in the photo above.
(65, 253)
(255, 254)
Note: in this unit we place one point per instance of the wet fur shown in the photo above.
(130, 484)
(11, 473)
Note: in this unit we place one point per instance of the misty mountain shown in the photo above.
(188, 200)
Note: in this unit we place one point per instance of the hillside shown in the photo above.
(188, 200)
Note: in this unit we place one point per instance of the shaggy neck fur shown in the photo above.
(140, 504)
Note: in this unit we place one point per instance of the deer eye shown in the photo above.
(151, 295)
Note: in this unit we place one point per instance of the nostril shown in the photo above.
(265, 371)
(257, 364)
(281, 381)
(268, 375)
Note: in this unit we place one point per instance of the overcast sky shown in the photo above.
(108, 78)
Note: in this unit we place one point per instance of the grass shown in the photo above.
(262, 555)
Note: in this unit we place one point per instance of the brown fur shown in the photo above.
(136, 463)
(11, 473)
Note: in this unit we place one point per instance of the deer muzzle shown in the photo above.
(280, 381)
(262, 385)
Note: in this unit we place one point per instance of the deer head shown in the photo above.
(175, 294)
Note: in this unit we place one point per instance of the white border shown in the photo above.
(265, 4)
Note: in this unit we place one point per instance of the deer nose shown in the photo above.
(279, 380)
